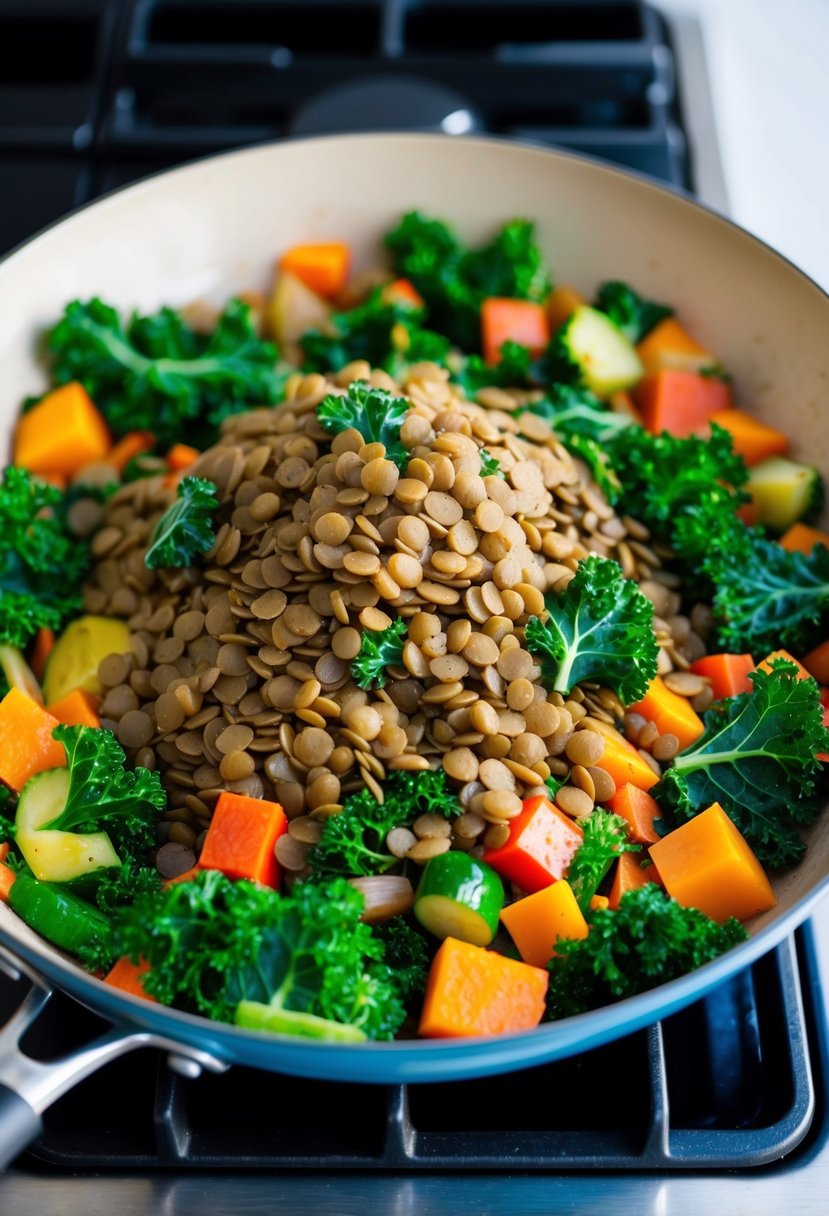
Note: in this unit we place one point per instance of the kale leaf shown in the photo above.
(41, 562)
(105, 796)
(633, 314)
(386, 332)
(572, 410)
(375, 413)
(648, 941)
(354, 842)
(212, 942)
(600, 627)
(157, 374)
(409, 954)
(757, 758)
(515, 369)
(379, 649)
(454, 281)
(605, 838)
(185, 530)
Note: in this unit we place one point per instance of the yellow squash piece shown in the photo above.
(54, 855)
(77, 655)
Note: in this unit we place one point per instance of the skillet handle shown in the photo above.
(19, 1125)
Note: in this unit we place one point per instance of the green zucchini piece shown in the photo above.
(784, 491)
(459, 897)
(57, 914)
(607, 359)
(54, 855)
(256, 1015)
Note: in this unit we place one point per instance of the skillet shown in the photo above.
(211, 229)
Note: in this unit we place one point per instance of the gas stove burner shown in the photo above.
(387, 103)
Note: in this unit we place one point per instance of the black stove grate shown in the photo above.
(97, 93)
(725, 1084)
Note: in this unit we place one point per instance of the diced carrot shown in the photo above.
(541, 844)
(505, 320)
(669, 345)
(640, 810)
(800, 538)
(472, 991)
(816, 663)
(598, 903)
(135, 443)
(181, 456)
(765, 664)
(670, 713)
(7, 877)
(679, 401)
(4, 850)
(127, 976)
(77, 708)
(42, 647)
(562, 303)
(536, 922)
(707, 864)
(323, 268)
(621, 761)
(241, 837)
(728, 673)
(752, 439)
(401, 291)
(62, 433)
(26, 743)
(629, 876)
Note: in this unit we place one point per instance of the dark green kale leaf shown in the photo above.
(605, 838)
(757, 758)
(600, 627)
(103, 795)
(387, 332)
(454, 281)
(185, 530)
(157, 374)
(354, 841)
(375, 413)
(650, 940)
(379, 649)
(633, 314)
(598, 464)
(41, 563)
(573, 411)
(409, 954)
(212, 943)
(515, 369)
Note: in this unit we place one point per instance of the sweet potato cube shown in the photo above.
(640, 810)
(707, 864)
(670, 713)
(536, 922)
(541, 845)
(472, 991)
(26, 743)
(622, 762)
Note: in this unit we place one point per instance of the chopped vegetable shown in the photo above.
(157, 374)
(767, 664)
(727, 673)
(572, 410)
(379, 649)
(7, 878)
(536, 922)
(385, 896)
(133, 444)
(353, 842)
(185, 530)
(621, 761)
(128, 977)
(472, 991)
(506, 320)
(668, 344)
(61, 917)
(42, 647)
(707, 864)
(630, 874)
(62, 433)
(680, 402)
(386, 332)
(562, 302)
(515, 367)
(757, 759)
(751, 438)
(784, 492)
(639, 810)
(649, 940)
(408, 953)
(542, 843)
(16, 673)
(77, 655)
(670, 713)
(376, 414)
(55, 855)
(589, 349)
(634, 315)
(181, 456)
(816, 663)
(604, 838)
(75, 709)
(27, 746)
(292, 311)
(241, 838)
(212, 943)
(600, 627)
(41, 563)
(459, 897)
(322, 267)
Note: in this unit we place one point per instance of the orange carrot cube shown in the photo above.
(639, 810)
(541, 845)
(241, 838)
(536, 922)
(26, 743)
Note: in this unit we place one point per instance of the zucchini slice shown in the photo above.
(459, 897)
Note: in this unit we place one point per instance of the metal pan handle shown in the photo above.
(28, 1087)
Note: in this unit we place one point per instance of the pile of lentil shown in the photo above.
(239, 674)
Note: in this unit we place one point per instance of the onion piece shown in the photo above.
(386, 895)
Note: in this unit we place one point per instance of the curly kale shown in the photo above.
(573, 410)
(157, 374)
(605, 838)
(387, 332)
(648, 941)
(600, 627)
(454, 280)
(515, 369)
(41, 563)
(354, 842)
(409, 954)
(375, 413)
(185, 530)
(633, 314)
(757, 758)
(379, 649)
(213, 944)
